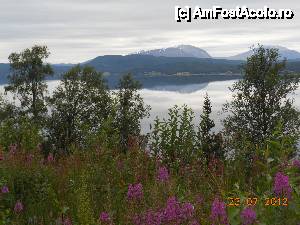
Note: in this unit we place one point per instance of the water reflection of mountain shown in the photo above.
(181, 88)
(152, 82)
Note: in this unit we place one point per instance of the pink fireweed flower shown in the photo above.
(29, 158)
(248, 216)
(149, 217)
(162, 174)
(104, 217)
(177, 212)
(135, 191)
(13, 149)
(4, 190)
(281, 185)
(174, 213)
(172, 210)
(64, 221)
(296, 163)
(199, 199)
(194, 222)
(50, 158)
(120, 165)
(187, 211)
(1, 157)
(67, 221)
(18, 207)
(218, 212)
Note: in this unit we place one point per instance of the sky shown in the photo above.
(79, 30)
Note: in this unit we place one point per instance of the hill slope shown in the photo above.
(138, 64)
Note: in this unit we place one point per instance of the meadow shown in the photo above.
(79, 157)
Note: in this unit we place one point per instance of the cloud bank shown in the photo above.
(78, 30)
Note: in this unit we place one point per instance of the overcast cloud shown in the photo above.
(78, 30)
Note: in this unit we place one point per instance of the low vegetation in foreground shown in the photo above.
(78, 156)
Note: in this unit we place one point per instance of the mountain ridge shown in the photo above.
(146, 65)
(193, 51)
(176, 51)
(283, 52)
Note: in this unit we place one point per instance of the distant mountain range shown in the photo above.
(192, 51)
(177, 51)
(168, 66)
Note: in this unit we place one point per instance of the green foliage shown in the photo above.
(209, 142)
(20, 131)
(174, 140)
(261, 100)
(34, 187)
(177, 141)
(7, 109)
(130, 110)
(28, 71)
(85, 214)
(79, 107)
(206, 123)
(106, 137)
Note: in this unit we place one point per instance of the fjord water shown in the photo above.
(161, 98)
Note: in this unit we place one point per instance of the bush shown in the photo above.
(19, 131)
(174, 140)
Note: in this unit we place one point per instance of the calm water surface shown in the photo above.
(161, 98)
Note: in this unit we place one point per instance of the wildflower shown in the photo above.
(29, 158)
(18, 207)
(67, 221)
(120, 165)
(199, 199)
(4, 190)
(104, 217)
(50, 158)
(281, 185)
(150, 217)
(172, 210)
(64, 220)
(13, 149)
(187, 210)
(218, 212)
(248, 216)
(1, 157)
(162, 174)
(296, 163)
(194, 222)
(216, 166)
(135, 191)
(175, 211)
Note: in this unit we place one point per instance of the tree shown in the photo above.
(27, 80)
(206, 124)
(130, 110)
(209, 142)
(204, 129)
(79, 107)
(262, 100)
